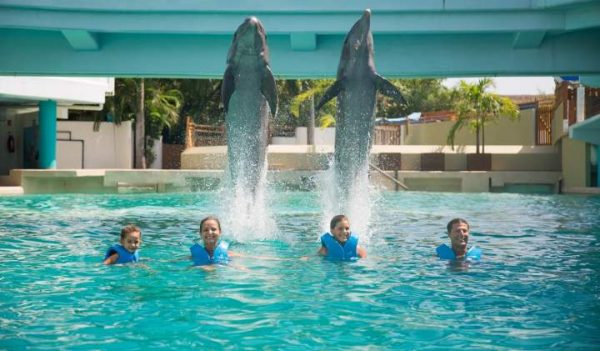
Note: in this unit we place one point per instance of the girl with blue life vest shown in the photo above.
(127, 250)
(458, 232)
(340, 243)
(213, 250)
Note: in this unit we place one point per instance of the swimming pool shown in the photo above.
(538, 286)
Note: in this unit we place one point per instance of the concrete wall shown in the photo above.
(110, 147)
(323, 136)
(501, 132)
(575, 163)
(559, 125)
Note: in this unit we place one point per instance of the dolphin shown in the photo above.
(249, 96)
(356, 87)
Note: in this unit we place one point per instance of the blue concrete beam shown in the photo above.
(81, 39)
(284, 23)
(588, 130)
(528, 40)
(303, 41)
(268, 5)
(590, 81)
(47, 53)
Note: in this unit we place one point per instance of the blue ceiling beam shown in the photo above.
(81, 40)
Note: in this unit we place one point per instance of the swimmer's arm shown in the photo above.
(322, 251)
(206, 268)
(361, 252)
(111, 259)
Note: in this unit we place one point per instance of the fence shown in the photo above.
(543, 124)
(388, 134)
(203, 135)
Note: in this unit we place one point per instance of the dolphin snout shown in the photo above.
(252, 21)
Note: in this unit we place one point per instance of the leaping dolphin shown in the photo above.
(355, 88)
(248, 95)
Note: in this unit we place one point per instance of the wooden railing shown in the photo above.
(543, 124)
(203, 135)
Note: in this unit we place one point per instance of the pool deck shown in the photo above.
(29, 181)
(525, 169)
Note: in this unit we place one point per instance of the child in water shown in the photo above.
(127, 250)
(213, 250)
(340, 244)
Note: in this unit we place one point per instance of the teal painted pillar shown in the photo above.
(47, 133)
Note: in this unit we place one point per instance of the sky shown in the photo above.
(514, 85)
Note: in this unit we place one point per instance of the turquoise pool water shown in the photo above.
(537, 288)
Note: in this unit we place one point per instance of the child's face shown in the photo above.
(132, 241)
(210, 232)
(341, 231)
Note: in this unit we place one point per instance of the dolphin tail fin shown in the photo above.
(227, 88)
(388, 89)
(331, 92)
(269, 90)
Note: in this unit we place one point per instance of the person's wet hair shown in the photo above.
(457, 220)
(337, 219)
(129, 229)
(213, 218)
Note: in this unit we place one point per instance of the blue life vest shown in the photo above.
(338, 252)
(445, 252)
(124, 255)
(201, 258)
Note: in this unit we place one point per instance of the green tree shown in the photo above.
(475, 107)
(421, 95)
(153, 103)
(310, 92)
(162, 107)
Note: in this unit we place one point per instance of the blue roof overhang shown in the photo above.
(588, 130)
(190, 38)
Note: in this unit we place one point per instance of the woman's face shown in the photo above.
(210, 232)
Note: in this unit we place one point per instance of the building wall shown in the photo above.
(12, 122)
(502, 132)
(110, 147)
(575, 163)
(558, 124)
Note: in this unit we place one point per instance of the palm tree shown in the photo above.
(475, 107)
(310, 90)
(162, 105)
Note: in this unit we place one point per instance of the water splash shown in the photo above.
(356, 202)
(246, 214)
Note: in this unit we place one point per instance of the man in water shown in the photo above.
(458, 232)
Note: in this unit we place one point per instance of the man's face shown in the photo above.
(459, 235)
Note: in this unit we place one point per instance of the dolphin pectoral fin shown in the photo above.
(227, 88)
(388, 89)
(331, 92)
(269, 90)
